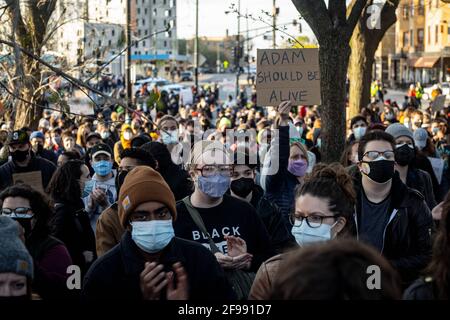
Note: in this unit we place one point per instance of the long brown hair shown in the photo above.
(439, 267)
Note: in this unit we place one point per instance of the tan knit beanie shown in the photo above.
(143, 184)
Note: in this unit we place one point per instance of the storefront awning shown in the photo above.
(426, 62)
(412, 61)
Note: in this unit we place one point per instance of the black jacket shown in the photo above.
(48, 155)
(178, 181)
(421, 289)
(421, 181)
(116, 274)
(280, 237)
(36, 164)
(407, 237)
(71, 225)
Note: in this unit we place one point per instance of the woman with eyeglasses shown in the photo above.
(50, 256)
(323, 211)
(234, 231)
(71, 222)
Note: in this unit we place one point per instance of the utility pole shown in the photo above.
(248, 47)
(274, 25)
(238, 50)
(218, 58)
(128, 54)
(196, 46)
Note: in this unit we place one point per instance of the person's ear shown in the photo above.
(339, 226)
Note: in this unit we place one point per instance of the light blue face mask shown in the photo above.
(102, 168)
(152, 236)
(305, 235)
(170, 137)
(214, 186)
(359, 132)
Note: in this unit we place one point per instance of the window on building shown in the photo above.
(109, 43)
(165, 23)
(67, 46)
(155, 12)
(436, 34)
(154, 1)
(137, 22)
(419, 37)
(405, 38)
(411, 37)
(421, 8)
(143, 43)
(99, 43)
(165, 44)
(107, 13)
(146, 52)
(139, 10)
(429, 35)
(172, 3)
(437, 3)
(145, 11)
(412, 8)
(154, 22)
(135, 53)
(113, 32)
(405, 11)
(145, 32)
(139, 32)
(143, 22)
(165, 2)
(442, 28)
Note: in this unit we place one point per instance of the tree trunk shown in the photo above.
(360, 72)
(364, 44)
(333, 58)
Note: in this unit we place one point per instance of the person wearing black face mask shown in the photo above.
(405, 154)
(109, 230)
(23, 160)
(390, 216)
(243, 187)
(37, 139)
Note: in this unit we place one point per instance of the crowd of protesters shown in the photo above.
(225, 200)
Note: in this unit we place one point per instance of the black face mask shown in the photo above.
(242, 186)
(404, 155)
(26, 225)
(20, 156)
(15, 299)
(38, 149)
(381, 171)
(120, 178)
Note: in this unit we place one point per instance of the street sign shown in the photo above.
(288, 75)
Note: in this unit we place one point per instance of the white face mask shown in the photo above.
(305, 235)
(152, 236)
(127, 135)
(169, 137)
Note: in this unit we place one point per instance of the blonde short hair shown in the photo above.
(201, 147)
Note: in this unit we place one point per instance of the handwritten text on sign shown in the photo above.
(288, 74)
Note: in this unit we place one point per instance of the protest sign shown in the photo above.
(438, 167)
(186, 96)
(439, 103)
(288, 75)
(33, 179)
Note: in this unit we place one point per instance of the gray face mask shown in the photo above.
(214, 186)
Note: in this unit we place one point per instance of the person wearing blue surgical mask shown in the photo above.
(358, 126)
(100, 192)
(241, 241)
(324, 206)
(150, 262)
(169, 133)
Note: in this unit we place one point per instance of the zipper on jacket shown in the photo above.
(394, 212)
(355, 217)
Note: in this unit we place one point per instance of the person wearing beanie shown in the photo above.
(23, 160)
(405, 155)
(16, 264)
(109, 230)
(37, 140)
(150, 263)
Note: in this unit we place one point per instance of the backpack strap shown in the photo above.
(195, 215)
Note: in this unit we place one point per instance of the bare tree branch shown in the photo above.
(355, 13)
(316, 16)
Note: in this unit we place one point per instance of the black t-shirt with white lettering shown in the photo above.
(231, 217)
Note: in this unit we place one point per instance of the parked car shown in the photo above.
(187, 76)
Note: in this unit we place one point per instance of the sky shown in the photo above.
(213, 21)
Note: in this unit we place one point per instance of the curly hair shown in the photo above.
(64, 185)
(331, 182)
(39, 203)
(439, 267)
(334, 270)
